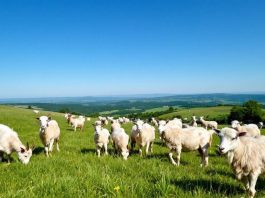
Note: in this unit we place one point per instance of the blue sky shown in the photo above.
(103, 47)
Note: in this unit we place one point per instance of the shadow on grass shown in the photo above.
(38, 150)
(215, 187)
(221, 172)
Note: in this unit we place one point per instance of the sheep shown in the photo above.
(120, 141)
(260, 125)
(88, 119)
(145, 137)
(246, 156)
(36, 111)
(115, 124)
(78, 122)
(194, 121)
(101, 139)
(208, 124)
(98, 122)
(154, 122)
(189, 139)
(251, 129)
(10, 142)
(175, 123)
(126, 120)
(49, 132)
(135, 133)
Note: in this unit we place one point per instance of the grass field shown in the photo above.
(76, 171)
(202, 111)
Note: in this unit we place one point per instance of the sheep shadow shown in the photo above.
(88, 150)
(216, 187)
(38, 150)
(220, 172)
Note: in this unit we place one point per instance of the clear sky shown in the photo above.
(111, 47)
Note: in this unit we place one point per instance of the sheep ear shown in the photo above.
(49, 118)
(241, 134)
(22, 150)
(27, 146)
(38, 118)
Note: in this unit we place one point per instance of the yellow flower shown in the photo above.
(117, 188)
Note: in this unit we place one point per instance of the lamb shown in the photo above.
(260, 125)
(194, 121)
(208, 124)
(101, 139)
(154, 122)
(120, 141)
(10, 142)
(250, 129)
(189, 139)
(145, 137)
(246, 156)
(49, 132)
(78, 122)
(135, 133)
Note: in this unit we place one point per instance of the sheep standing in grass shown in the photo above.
(194, 121)
(78, 122)
(49, 132)
(101, 139)
(175, 123)
(208, 124)
(145, 137)
(120, 141)
(135, 133)
(9, 143)
(250, 129)
(189, 139)
(154, 122)
(246, 155)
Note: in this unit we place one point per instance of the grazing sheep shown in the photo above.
(250, 129)
(88, 119)
(246, 156)
(189, 139)
(10, 142)
(145, 137)
(208, 124)
(101, 139)
(120, 141)
(175, 123)
(49, 132)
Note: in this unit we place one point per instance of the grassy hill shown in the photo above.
(77, 172)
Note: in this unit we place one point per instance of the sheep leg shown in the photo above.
(151, 147)
(147, 148)
(132, 145)
(245, 182)
(51, 145)
(57, 144)
(9, 158)
(252, 183)
(98, 151)
(140, 151)
(178, 151)
(106, 149)
(46, 149)
(171, 159)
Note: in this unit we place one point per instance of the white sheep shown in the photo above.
(120, 141)
(175, 123)
(145, 137)
(101, 139)
(246, 156)
(78, 122)
(135, 133)
(251, 129)
(88, 119)
(189, 139)
(260, 125)
(194, 121)
(208, 124)
(10, 142)
(49, 132)
(154, 122)
(36, 111)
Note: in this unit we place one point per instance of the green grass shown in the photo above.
(77, 172)
(203, 111)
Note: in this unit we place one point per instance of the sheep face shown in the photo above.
(44, 121)
(98, 128)
(229, 139)
(24, 155)
(125, 154)
(235, 124)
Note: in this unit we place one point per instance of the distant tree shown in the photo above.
(29, 107)
(64, 110)
(171, 109)
(250, 112)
